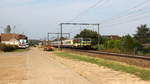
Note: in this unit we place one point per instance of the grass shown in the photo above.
(138, 71)
(21, 50)
(18, 50)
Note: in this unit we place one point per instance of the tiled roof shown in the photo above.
(0, 38)
(7, 37)
(113, 37)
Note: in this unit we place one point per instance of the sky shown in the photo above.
(35, 18)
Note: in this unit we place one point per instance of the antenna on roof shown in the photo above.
(1, 27)
(14, 28)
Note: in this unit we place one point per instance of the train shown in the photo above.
(73, 43)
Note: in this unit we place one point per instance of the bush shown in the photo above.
(109, 44)
(129, 44)
(98, 47)
(7, 48)
(112, 44)
(144, 51)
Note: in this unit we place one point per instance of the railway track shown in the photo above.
(114, 54)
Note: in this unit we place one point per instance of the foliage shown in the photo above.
(7, 29)
(129, 44)
(7, 48)
(143, 34)
(104, 40)
(110, 44)
(117, 44)
(98, 47)
(125, 44)
(145, 51)
(139, 72)
(86, 33)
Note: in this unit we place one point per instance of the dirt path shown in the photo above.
(34, 67)
(39, 67)
(44, 70)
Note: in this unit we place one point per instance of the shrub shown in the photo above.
(7, 48)
(109, 44)
(112, 44)
(98, 47)
(129, 44)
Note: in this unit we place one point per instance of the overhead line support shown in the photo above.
(61, 26)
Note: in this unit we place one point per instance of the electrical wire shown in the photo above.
(129, 17)
(129, 11)
(127, 21)
(138, 10)
(97, 3)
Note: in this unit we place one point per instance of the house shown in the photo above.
(0, 38)
(12, 39)
(112, 37)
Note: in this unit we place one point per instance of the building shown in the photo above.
(12, 39)
(112, 37)
(0, 38)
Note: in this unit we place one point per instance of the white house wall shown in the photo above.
(11, 42)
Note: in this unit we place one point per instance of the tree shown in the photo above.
(129, 44)
(7, 29)
(143, 34)
(86, 33)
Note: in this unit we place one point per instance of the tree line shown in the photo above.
(127, 44)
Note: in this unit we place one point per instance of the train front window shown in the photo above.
(86, 39)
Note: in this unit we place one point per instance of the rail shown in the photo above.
(115, 54)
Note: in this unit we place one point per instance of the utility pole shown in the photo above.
(58, 39)
(98, 35)
(61, 36)
(48, 38)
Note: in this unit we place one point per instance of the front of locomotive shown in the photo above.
(82, 43)
(86, 43)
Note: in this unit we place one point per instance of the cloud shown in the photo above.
(16, 1)
(44, 16)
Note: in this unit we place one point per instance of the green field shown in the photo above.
(21, 50)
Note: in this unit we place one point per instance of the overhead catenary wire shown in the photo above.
(129, 18)
(127, 21)
(129, 11)
(118, 17)
(86, 10)
(81, 28)
(143, 12)
(133, 14)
